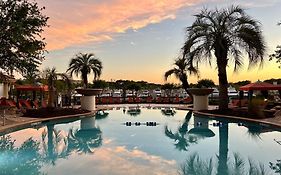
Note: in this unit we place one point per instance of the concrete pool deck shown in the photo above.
(12, 121)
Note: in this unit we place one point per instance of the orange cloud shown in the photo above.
(79, 22)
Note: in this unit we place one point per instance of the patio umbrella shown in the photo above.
(262, 86)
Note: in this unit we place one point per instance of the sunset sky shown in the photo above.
(139, 40)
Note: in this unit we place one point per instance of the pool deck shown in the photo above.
(13, 121)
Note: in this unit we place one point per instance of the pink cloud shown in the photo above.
(79, 22)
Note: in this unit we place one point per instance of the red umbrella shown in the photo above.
(260, 86)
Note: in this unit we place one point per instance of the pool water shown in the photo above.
(179, 143)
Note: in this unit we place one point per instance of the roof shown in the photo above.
(7, 78)
(31, 88)
(260, 86)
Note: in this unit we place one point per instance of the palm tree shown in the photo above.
(52, 75)
(224, 32)
(180, 72)
(84, 64)
(65, 77)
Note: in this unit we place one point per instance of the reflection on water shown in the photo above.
(194, 165)
(21, 160)
(29, 159)
(52, 141)
(134, 111)
(182, 144)
(181, 138)
(276, 166)
(84, 141)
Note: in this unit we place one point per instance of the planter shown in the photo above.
(88, 100)
(88, 91)
(200, 98)
(200, 91)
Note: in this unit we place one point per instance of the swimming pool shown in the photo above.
(148, 141)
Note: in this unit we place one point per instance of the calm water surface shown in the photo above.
(178, 144)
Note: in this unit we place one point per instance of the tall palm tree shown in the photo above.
(225, 32)
(51, 76)
(67, 79)
(180, 72)
(84, 64)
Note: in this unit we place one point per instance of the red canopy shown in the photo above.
(260, 86)
(31, 88)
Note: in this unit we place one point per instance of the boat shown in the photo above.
(134, 111)
(231, 91)
(100, 114)
(168, 111)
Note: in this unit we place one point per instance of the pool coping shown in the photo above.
(260, 121)
(34, 121)
(37, 121)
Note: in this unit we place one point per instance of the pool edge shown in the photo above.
(238, 118)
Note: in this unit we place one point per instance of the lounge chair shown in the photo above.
(187, 100)
(149, 99)
(36, 104)
(176, 100)
(44, 104)
(118, 100)
(137, 100)
(130, 100)
(10, 103)
(159, 100)
(25, 104)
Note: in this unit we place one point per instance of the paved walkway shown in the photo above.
(275, 120)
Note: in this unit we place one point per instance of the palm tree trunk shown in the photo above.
(185, 85)
(85, 80)
(223, 84)
(51, 98)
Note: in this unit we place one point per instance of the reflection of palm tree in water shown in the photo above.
(276, 167)
(223, 149)
(51, 146)
(181, 138)
(25, 159)
(194, 165)
(84, 141)
(253, 131)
